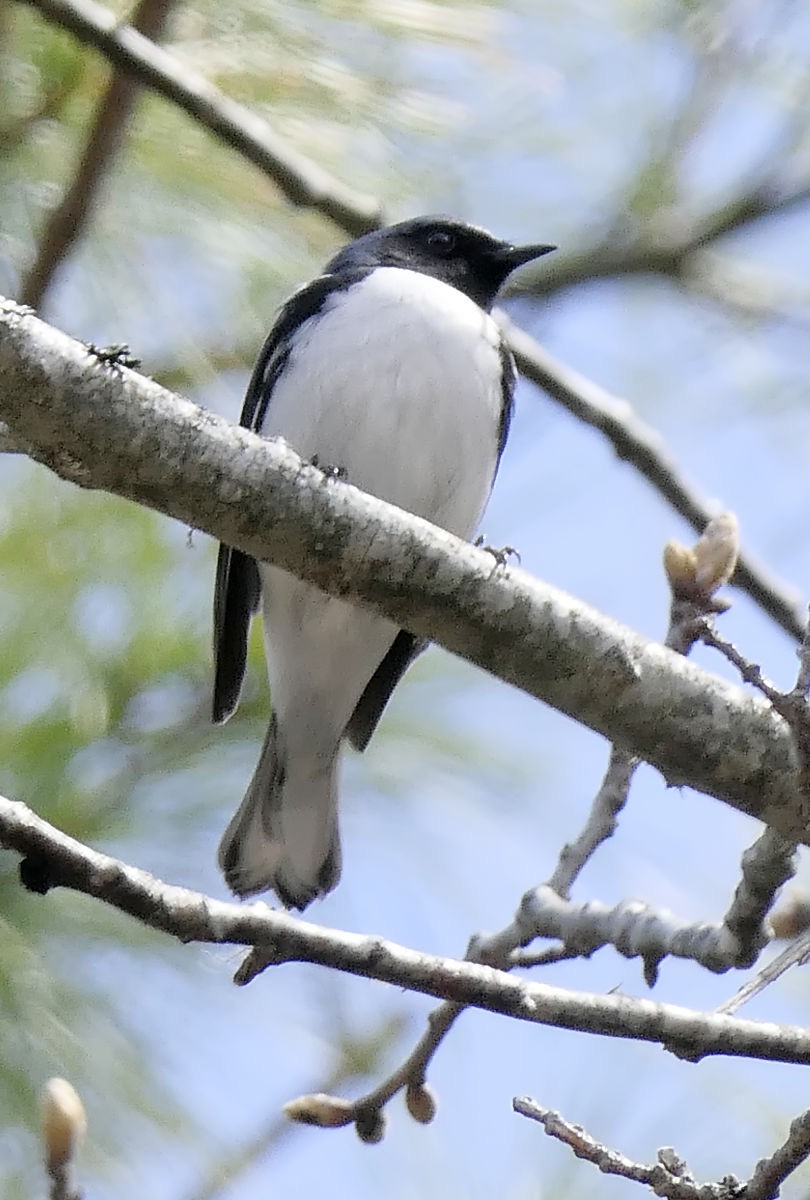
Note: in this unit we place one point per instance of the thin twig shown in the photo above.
(796, 955)
(669, 1177)
(770, 1173)
(750, 672)
(601, 824)
(668, 253)
(615, 787)
(673, 1184)
(766, 867)
(413, 1070)
(771, 861)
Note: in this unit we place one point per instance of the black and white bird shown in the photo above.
(389, 366)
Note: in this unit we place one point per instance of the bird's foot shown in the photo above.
(115, 356)
(501, 554)
(329, 470)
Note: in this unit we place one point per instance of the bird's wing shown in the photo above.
(508, 385)
(238, 589)
(371, 704)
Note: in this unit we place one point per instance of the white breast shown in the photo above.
(398, 380)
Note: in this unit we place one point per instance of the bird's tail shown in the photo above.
(284, 834)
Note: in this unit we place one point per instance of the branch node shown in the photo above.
(38, 874)
(370, 1125)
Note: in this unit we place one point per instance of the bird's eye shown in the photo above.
(442, 241)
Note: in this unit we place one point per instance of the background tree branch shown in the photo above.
(67, 221)
(302, 181)
(672, 253)
(305, 183)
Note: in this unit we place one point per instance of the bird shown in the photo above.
(389, 367)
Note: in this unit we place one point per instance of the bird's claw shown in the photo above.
(117, 355)
(329, 470)
(501, 554)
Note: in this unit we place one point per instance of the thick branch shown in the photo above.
(107, 427)
(53, 859)
(302, 181)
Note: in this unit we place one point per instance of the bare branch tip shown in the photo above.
(327, 1112)
(64, 1123)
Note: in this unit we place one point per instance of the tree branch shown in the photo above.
(302, 181)
(673, 254)
(104, 426)
(668, 1177)
(52, 859)
(770, 1173)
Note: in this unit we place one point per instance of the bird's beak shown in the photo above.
(516, 256)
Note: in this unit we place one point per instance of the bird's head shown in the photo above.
(464, 256)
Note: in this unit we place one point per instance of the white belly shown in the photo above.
(397, 380)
